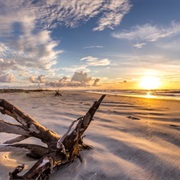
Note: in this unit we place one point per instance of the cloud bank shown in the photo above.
(79, 79)
(7, 78)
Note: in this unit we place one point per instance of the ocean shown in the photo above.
(156, 94)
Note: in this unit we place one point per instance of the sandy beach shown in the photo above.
(132, 138)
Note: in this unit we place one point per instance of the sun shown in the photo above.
(149, 82)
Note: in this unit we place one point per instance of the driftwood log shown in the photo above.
(57, 93)
(59, 150)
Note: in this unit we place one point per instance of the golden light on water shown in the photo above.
(148, 95)
(149, 82)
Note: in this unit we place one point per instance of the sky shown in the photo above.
(89, 44)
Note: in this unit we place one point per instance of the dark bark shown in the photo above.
(59, 151)
(57, 93)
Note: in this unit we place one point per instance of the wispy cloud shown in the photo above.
(94, 61)
(86, 63)
(92, 47)
(148, 32)
(25, 46)
(75, 68)
(114, 11)
(49, 14)
(172, 45)
(6, 64)
(3, 49)
(139, 45)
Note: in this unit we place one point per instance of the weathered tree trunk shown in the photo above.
(59, 151)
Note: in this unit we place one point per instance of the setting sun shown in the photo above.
(149, 82)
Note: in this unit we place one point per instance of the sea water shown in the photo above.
(157, 94)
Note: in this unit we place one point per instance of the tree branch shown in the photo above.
(12, 128)
(29, 124)
(60, 151)
(17, 139)
(34, 151)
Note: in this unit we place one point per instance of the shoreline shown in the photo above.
(138, 97)
(146, 96)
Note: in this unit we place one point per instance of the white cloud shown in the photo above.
(94, 61)
(114, 12)
(91, 47)
(33, 79)
(26, 26)
(172, 45)
(7, 78)
(3, 49)
(6, 64)
(64, 81)
(25, 46)
(75, 68)
(149, 32)
(139, 45)
(48, 14)
(38, 79)
(79, 79)
(72, 12)
(34, 50)
(86, 62)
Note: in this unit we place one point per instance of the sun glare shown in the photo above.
(149, 82)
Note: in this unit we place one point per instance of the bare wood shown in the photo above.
(57, 93)
(32, 150)
(60, 141)
(16, 139)
(12, 128)
(28, 123)
(60, 151)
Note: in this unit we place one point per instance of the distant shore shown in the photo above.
(22, 90)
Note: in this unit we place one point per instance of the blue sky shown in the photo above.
(77, 43)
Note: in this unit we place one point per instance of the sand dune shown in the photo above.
(133, 138)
